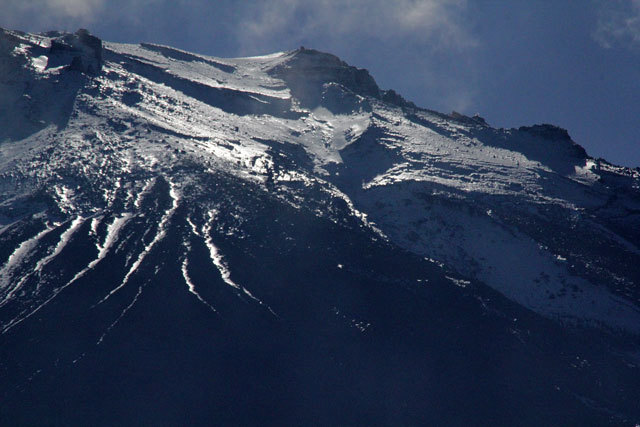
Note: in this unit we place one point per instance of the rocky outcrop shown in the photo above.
(392, 97)
(555, 134)
(314, 78)
(308, 70)
(79, 51)
(546, 131)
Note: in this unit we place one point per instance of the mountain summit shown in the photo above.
(275, 239)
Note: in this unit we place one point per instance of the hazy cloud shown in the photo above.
(618, 24)
(41, 15)
(53, 12)
(438, 22)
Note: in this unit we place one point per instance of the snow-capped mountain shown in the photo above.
(275, 239)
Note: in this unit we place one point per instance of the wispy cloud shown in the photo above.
(437, 22)
(618, 24)
(40, 15)
(54, 11)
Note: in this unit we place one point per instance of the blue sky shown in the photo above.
(575, 64)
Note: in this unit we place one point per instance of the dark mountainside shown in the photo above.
(276, 240)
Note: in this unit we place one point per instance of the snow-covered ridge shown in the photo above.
(525, 211)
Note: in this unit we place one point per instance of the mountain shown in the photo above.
(276, 240)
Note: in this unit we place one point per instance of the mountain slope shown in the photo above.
(277, 238)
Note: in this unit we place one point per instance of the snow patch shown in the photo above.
(145, 190)
(459, 282)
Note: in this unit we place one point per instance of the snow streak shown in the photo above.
(18, 256)
(111, 237)
(147, 187)
(190, 286)
(64, 239)
(94, 226)
(162, 231)
(113, 231)
(218, 260)
(115, 322)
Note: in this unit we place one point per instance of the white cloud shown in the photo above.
(618, 24)
(72, 8)
(43, 15)
(56, 9)
(434, 24)
(437, 23)
(39, 15)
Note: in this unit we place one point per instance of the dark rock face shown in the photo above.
(476, 120)
(345, 338)
(547, 143)
(392, 97)
(314, 78)
(30, 98)
(339, 100)
(91, 42)
(308, 70)
(556, 134)
(81, 51)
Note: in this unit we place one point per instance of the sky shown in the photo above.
(575, 64)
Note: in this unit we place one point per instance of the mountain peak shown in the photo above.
(318, 56)
(308, 71)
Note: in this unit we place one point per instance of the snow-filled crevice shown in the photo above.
(64, 239)
(110, 239)
(191, 287)
(218, 259)
(122, 314)
(40, 264)
(137, 204)
(19, 255)
(113, 231)
(160, 234)
(362, 216)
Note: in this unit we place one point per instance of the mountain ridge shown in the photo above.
(281, 215)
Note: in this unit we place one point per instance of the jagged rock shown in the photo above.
(475, 120)
(555, 134)
(307, 70)
(547, 131)
(307, 73)
(340, 100)
(80, 51)
(478, 118)
(392, 97)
